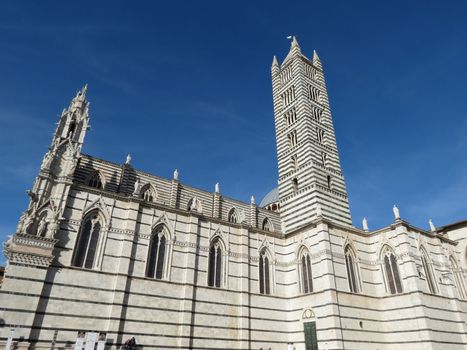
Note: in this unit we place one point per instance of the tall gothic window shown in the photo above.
(305, 272)
(264, 280)
(156, 253)
(233, 216)
(215, 264)
(458, 279)
(88, 239)
(352, 270)
(391, 271)
(430, 280)
(95, 180)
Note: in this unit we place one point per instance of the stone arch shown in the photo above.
(148, 192)
(96, 179)
(267, 225)
(308, 314)
(233, 216)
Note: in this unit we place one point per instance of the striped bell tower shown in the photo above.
(311, 183)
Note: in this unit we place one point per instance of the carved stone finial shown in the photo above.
(252, 200)
(176, 174)
(128, 159)
(217, 188)
(432, 226)
(395, 210)
(365, 225)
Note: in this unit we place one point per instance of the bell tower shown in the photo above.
(311, 183)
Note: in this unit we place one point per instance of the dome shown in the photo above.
(271, 197)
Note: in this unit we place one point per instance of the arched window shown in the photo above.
(157, 253)
(215, 264)
(95, 180)
(88, 239)
(430, 280)
(264, 272)
(391, 271)
(458, 279)
(266, 225)
(233, 216)
(352, 270)
(148, 193)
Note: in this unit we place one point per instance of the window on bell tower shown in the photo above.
(314, 94)
(294, 162)
(320, 135)
(292, 137)
(290, 117)
(294, 184)
(324, 158)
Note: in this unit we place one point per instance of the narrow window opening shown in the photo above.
(295, 185)
(264, 281)
(392, 273)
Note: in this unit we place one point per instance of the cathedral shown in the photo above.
(108, 248)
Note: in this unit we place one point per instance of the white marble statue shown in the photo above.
(136, 188)
(176, 174)
(217, 188)
(395, 210)
(41, 227)
(432, 226)
(128, 159)
(365, 224)
(252, 200)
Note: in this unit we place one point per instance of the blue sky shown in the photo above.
(187, 85)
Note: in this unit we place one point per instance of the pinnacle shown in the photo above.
(294, 42)
(274, 62)
(84, 90)
(316, 60)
